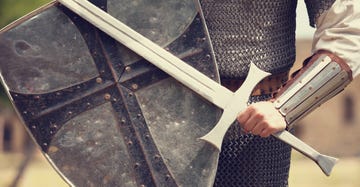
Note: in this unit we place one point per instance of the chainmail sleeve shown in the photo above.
(316, 7)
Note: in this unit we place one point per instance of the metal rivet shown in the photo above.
(34, 127)
(69, 112)
(130, 142)
(134, 86)
(123, 121)
(128, 69)
(107, 96)
(99, 80)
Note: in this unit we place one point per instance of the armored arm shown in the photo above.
(323, 76)
(336, 47)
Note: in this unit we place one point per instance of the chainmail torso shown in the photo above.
(265, 35)
(251, 161)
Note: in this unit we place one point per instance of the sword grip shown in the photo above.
(235, 104)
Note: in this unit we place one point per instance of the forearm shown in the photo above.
(322, 77)
(336, 60)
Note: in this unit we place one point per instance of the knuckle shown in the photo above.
(265, 134)
(251, 108)
(259, 116)
(240, 119)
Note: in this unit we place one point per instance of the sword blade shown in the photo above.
(190, 77)
(152, 52)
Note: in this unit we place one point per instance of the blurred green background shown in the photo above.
(304, 173)
(11, 10)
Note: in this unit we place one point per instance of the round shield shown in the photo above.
(102, 115)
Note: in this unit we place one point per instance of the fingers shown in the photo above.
(261, 119)
(259, 128)
(246, 119)
(266, 133)
(262, 129)
(251, 120)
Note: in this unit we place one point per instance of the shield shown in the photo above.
(102, 115)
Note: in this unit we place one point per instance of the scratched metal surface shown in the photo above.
(102, 115)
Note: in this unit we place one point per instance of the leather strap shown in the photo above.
(269, 85)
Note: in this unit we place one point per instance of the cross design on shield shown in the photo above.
(102, 115)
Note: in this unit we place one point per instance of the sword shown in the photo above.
(231, 103)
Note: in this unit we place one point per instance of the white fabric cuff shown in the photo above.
(338, 31)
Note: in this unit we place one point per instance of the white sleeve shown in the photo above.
(338, 31)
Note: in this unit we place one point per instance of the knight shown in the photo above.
(263, 32)
(85, 79)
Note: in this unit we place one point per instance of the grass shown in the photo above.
(11, 10)
(303, 173)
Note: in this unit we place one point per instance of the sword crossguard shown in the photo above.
(192, 78)
(237, 103)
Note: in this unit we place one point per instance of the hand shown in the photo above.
(261, 119)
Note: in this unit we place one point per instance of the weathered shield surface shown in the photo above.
(102, 115)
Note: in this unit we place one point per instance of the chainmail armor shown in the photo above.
(251, 161)
(265, 35)
(316, 8)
